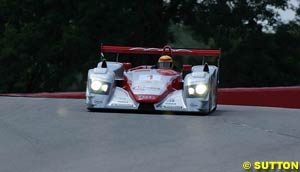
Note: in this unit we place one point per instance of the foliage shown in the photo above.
(251, 55)
(48, 45)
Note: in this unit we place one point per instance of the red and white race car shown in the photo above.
(115, 85)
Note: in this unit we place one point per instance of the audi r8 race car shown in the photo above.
(115, 85)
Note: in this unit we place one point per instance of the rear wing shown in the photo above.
(166, 50)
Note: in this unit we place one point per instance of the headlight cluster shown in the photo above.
(197, 90)
(99, 86)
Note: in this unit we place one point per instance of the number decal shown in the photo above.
(151, 77)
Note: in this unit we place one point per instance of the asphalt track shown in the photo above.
(59, 135)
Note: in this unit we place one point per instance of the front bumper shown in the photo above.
(120, 99)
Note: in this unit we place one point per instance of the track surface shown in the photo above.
(59, 135)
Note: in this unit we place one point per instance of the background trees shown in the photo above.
(48, 45)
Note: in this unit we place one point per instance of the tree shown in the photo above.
(49, 45)
(239, 28)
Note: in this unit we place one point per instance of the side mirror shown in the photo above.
(127, 66)
(104, 64)
(206, 68)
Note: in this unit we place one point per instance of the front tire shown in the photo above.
(90, 109)
(216, 99)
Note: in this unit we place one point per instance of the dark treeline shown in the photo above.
(48, 45)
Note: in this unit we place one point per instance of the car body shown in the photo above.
(115, 85)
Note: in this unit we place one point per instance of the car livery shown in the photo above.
(115, 85)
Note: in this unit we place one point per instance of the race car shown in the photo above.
(159, 87)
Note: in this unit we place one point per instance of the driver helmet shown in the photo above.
(165, 62)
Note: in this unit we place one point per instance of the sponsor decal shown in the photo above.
(121, 104)
(122, 101)
(146, 97)
(150, 77)
(141, 87)
(159, 49)
(171, 100)
(172, 107)
(146, 49)
(171, 103)
(98, 101)
(194, 105)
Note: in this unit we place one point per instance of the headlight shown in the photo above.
(99, 87)
(197, 90)
(104, 87)
(96, 85)
(191, 91)
(201, 89)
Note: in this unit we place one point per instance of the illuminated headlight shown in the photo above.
(99, 87)
(96, 85)
(191, 91)
(104, 87)
(197, 90)
(201, 89)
